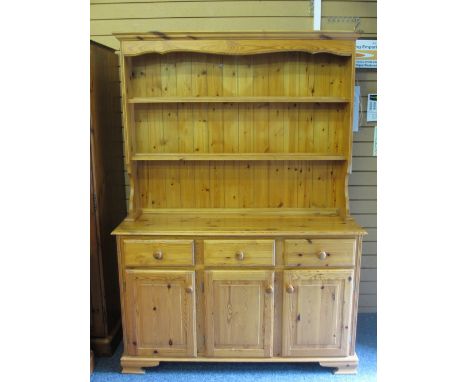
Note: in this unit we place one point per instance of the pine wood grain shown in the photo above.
(316, 312)
(161, 313)
(240, 99)
(239, 253)
(239, 313)
(306, 252)
(156, 253)
(249, 185)
(217, 183)
(243, 224)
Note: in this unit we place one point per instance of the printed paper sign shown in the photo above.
(372, 108)
(366, 54)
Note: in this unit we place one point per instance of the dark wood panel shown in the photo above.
(107, 195)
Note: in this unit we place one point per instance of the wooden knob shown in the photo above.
(240, 255)
(290, 288)
(158, 255)
(323, 255)
(189, 289)
(269, 289)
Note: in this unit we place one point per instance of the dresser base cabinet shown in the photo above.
(238, 245)
(238, 311)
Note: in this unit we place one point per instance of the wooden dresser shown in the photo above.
(238, 245)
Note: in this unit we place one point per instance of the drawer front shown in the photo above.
(154, 253)
(319, 252)
(239, 252)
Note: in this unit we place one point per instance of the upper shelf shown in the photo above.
(258, 99)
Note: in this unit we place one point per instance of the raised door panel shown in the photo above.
(317, 312)
(160, 312)
(239, 313)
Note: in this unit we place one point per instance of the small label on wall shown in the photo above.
(372, 108)
(366, 54)
(374, 149)
(357, 97)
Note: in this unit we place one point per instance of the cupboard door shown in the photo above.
(239, 313)
(160, 312)
(317, 312)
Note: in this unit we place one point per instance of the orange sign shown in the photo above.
(366, 54)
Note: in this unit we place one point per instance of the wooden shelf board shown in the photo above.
(251, 212)
(218, 223)
(237, 157)
(273, 99)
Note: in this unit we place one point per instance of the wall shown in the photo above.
(363, 192)
(112, 16)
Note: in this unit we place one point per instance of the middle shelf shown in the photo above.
(237, 157)
(238, 99)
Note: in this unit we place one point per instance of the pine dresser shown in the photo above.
(238, 245)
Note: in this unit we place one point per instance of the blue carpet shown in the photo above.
(108, 369)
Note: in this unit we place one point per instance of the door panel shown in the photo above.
(160, 309)
(232, 327)
(239, 313)
(316, 312)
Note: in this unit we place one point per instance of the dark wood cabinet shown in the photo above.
(107, 194)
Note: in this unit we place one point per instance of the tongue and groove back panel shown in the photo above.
(270, 74)
(240, 127)
(241, 184)
(249, 127)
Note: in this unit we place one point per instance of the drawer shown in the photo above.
(319, 252)
(154, 253)
(239, 252)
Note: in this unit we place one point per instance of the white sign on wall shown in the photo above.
(372, 108)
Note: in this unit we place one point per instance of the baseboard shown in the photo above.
(340, 365)
(105, 346)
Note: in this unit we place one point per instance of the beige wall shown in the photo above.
(363, 192)
(110, 16)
